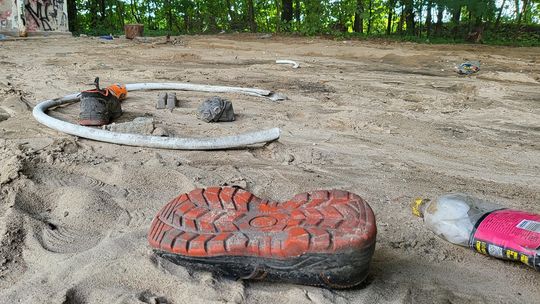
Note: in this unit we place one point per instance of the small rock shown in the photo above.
(49, 159)
(278, 97)
(237, 182)
(159, 131)
(9, 169)
(142, 39)
(265, 36)
(140, 125)
(3, 115)
(289, 158)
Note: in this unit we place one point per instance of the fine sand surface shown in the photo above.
(387, 121)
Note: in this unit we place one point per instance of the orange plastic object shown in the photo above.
(118, 90)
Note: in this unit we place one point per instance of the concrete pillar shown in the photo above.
(33, 16)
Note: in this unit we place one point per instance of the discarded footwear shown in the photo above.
(216, 109)
(324, 238)
(99, 107)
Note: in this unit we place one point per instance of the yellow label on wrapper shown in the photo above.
(416, 207)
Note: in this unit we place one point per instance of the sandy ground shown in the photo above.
(387, 121)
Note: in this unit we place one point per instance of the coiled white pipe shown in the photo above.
(216, 143)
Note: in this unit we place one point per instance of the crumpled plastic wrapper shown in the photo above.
(468, 68)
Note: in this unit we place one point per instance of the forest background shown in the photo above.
(508, 22)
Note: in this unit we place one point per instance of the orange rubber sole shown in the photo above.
(215, 223)
(231, 221)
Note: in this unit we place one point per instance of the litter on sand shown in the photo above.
(100, 106)
(140, 125)
(483, 226)
(171, 100)
(468, 68)
(176, 143)
(161, 101)
(216, 109)
(305, 240)
(166, 100)
(294, 64)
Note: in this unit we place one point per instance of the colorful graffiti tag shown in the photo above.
(45, 15)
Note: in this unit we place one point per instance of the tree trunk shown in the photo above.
(370, 15)
(419, 28)
(232, 16)
(187, 23)
(523, 11)
(72, 16)
(456, 17)
(133, 12)
(391, 5)
(517, 10)
(148, 17)
(428, 17)
(102, 9)
(358, 25)
(438, 25)
(251, 16)
(120, 13)
(297, 10)
(287, 11)
(409, 16)
(93, 14)
(169, 15)
(401, 20)
(499, 14)
(278, 14)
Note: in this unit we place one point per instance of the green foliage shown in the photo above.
(316, 17)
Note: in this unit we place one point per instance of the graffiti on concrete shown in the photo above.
(33, 15)
(5, 15)
(45, 15)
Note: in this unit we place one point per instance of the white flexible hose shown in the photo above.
(225, 142)
(197, 87)
(295, 64)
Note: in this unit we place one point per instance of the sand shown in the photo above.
(388, 121)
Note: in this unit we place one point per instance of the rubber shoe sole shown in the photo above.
(319, 238)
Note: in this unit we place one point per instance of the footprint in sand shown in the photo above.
(69, 219)
(80, 295)
(13, 106)
(60, 178)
